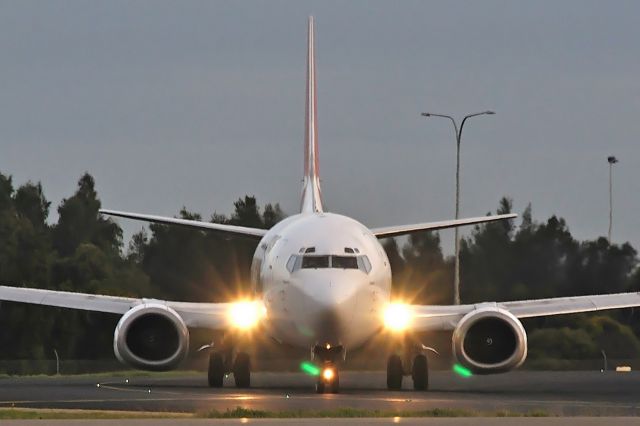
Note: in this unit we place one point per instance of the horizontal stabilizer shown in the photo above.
(241, 231)
(394, 231)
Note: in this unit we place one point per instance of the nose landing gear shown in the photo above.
(329, 379)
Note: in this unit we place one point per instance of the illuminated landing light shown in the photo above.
(310, 369)
(246, 315)
(462, 371)
(327, 374)
(397, 317)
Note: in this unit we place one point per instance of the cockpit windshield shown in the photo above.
(314, 261)
(344, 262)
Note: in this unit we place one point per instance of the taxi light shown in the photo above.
(397, 317)
(309, 368)
(462, 371)
(327, 374)
(246, 314)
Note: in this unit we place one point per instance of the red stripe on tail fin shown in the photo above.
(311, 193)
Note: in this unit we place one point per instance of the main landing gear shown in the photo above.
(220, 365)
(419, 372)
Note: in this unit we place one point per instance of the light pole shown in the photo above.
(611, 160)
(458, 134)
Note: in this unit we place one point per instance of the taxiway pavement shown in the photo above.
(556, 393)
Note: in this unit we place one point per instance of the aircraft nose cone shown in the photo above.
(330, 307)
(332, 294)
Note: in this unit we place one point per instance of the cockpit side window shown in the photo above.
(315, 262)
(363, 264)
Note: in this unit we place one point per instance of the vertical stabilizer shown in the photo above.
(311, 193)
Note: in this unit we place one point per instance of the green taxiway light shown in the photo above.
(309, 368)
(462, 371)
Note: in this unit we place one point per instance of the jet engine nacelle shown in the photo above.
(152, 337)
(490, 340)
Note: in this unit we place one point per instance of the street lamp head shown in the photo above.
(426, 114)
(612, 160)
(489, 112)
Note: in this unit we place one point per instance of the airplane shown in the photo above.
(322, 282)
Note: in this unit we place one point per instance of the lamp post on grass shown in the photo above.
(458, 135)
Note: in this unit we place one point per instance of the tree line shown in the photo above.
(85, 252)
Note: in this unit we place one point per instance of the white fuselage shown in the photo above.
(325, 280)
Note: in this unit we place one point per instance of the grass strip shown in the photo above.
(119, 373)
(240, 412)
(53, 414)
(247, 413)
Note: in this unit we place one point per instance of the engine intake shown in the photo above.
(490, 340)
(152, 337)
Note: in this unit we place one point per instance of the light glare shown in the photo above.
(397, 317)
(327, 374)
(246, 315)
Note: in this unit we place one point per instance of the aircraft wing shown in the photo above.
(427, 318)
(394, 231)
(241, 231)
(207, 315)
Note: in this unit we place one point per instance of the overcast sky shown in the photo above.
(196, 103)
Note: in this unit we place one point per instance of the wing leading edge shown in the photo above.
(206, 315)
(427, 318)
(395, 231)
(241, 231)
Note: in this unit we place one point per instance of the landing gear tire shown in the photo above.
(394, 373)
(216, 371)
(335, 386)
(420, 373)
(242, 370)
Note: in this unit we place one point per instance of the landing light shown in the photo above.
(246, 315)
(397, 317)
(328, 374)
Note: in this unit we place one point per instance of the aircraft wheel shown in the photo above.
(242, 370)
(335, 383)
(394, 373)
(216, 370)
(420, 373)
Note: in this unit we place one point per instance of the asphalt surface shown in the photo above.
(555, 393)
